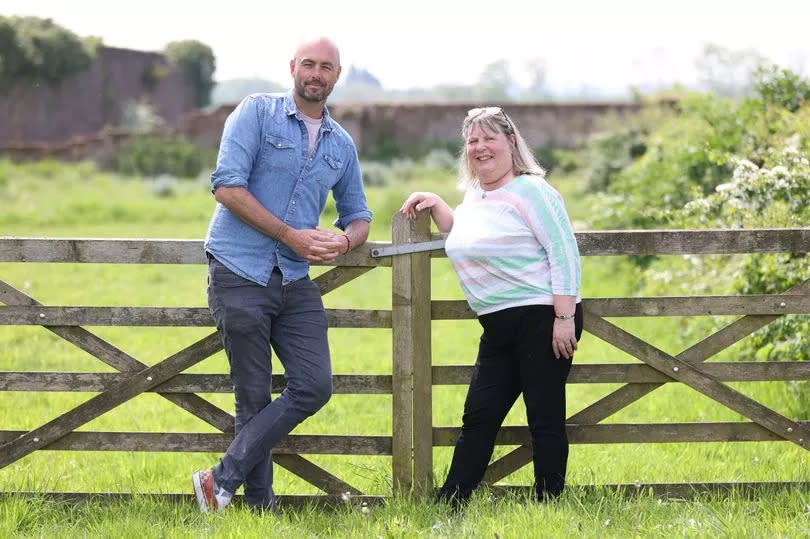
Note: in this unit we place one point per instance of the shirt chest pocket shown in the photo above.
(327, 171)
(280, 153)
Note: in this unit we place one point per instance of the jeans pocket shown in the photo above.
(220, 276)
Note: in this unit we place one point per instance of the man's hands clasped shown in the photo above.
(316, 245)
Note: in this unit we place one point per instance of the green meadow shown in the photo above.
(49, 199)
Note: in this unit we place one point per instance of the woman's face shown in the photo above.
(490, 156)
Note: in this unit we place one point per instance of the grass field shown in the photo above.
(52, 200)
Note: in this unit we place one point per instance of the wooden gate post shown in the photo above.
(411, 370)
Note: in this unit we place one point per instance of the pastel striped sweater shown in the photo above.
(514, 246)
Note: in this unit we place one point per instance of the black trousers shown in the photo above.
(514, 357)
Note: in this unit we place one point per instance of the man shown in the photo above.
(279, 157)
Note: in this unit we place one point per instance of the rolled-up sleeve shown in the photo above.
(350, 199)
(240, 146)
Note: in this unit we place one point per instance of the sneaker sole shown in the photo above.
(198, 491)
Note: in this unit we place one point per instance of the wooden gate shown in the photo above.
(657, 367)
(412, 374)
(164, 378)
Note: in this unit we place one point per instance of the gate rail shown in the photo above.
(412, 374)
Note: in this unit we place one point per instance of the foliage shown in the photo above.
(565, 160)
(406, 170)
(164, 186)
(726, 164)
(153, 74)
(36, 49)
(387, 149)
(140, 116)
(686, 155)
(555, 159)
(775, 195)
(151, 156)
(619, 141)
(782, 87)
(197, 62)
(580, 512)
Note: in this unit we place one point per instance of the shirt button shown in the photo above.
(293, 203)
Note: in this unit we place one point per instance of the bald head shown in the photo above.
(315, 69)
(320, 47)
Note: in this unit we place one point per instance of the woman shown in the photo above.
(513, 249)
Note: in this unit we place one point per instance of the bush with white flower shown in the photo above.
(776, 195)
(726, 165)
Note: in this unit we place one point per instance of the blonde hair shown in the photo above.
(495, 120)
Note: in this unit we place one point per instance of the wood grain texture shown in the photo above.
(192, 442)
(121, 361)
(140, 251)
(696, 379)
(676, 242)
(55, 429)
(314, 474)
(611, 373)
(620, 433)
(29, 315)
(94, 382)
(411, 320)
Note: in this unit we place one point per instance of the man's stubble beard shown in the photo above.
(301, 90)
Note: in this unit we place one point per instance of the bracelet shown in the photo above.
(564, 316)
(348, 243)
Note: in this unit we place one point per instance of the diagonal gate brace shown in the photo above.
(692, 376)
(117, 394)
(630, 393)
(123, 362)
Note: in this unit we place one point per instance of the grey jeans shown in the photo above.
(250, 319)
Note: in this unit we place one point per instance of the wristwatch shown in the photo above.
(564, 316)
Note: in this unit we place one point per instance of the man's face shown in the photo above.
(315, 70)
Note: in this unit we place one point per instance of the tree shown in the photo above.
(38, 49)
(726, 72)
(11, 55)
(495, 82)
(781, 87)
(232, 91)
(537, 89)
(197, 62)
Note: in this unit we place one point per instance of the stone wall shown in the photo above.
(36, 113)
(561, 124)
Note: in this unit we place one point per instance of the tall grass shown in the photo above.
(49, 199)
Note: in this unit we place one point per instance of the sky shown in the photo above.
(608, 44)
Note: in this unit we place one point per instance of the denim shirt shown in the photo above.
(265, 148)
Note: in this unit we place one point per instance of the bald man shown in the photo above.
(279, 157)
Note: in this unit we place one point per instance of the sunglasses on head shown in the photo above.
(484, 110)
(491, 111)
